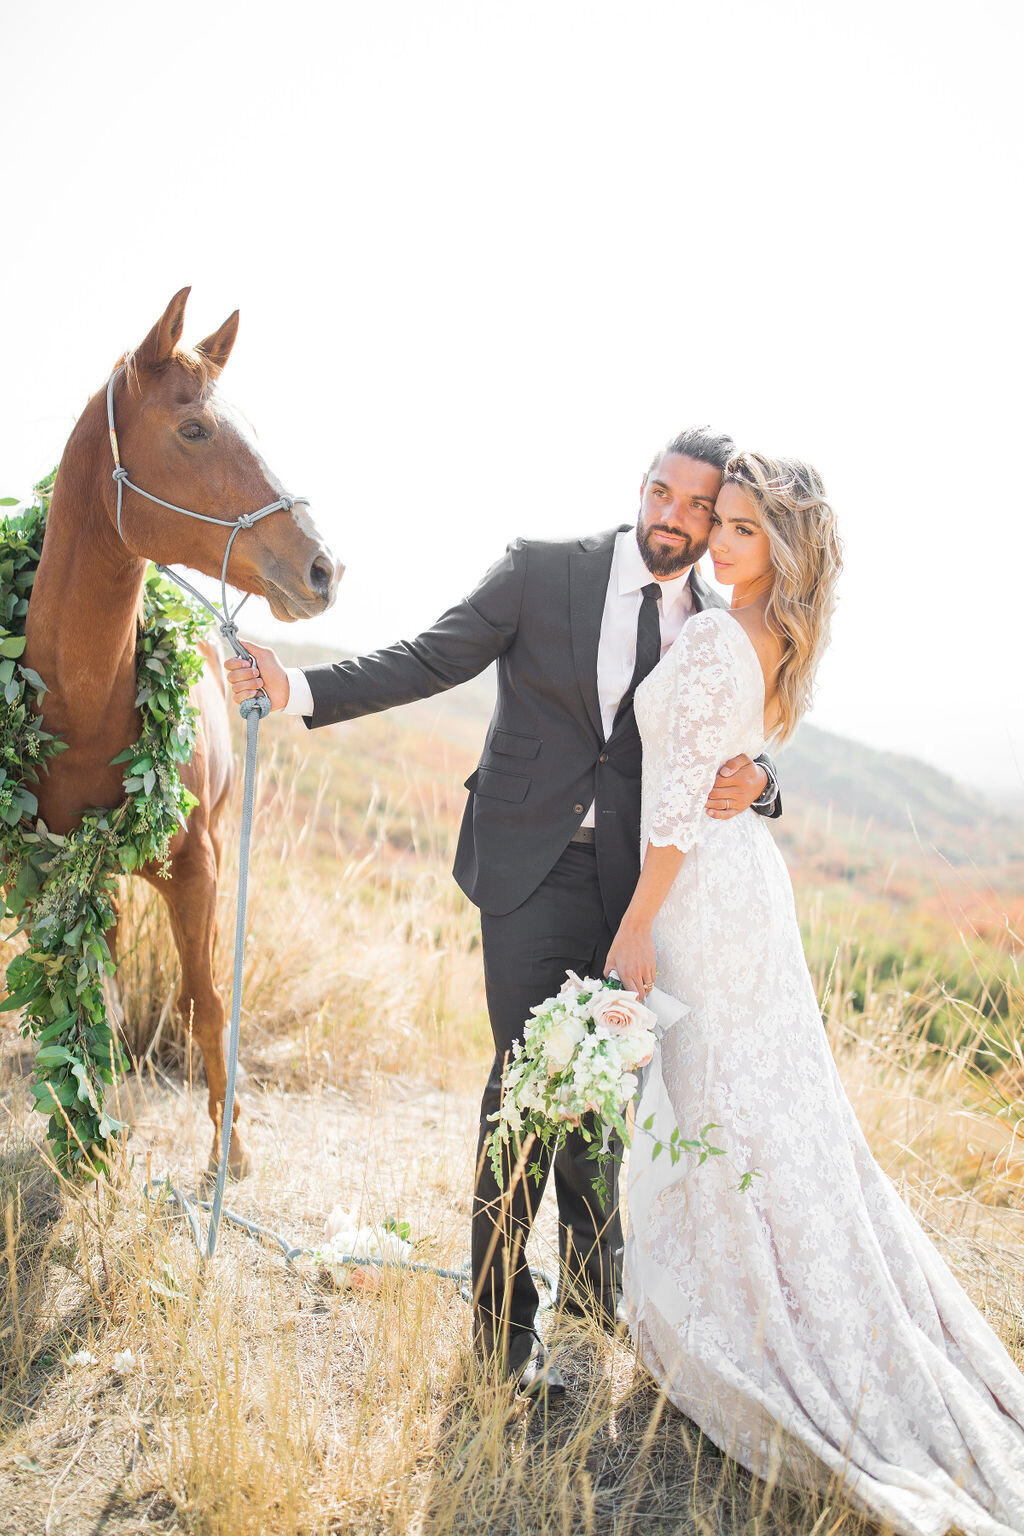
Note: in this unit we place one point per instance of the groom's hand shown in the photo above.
(739, 783)
(265, 672)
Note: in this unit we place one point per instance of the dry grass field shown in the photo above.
(142, 1393)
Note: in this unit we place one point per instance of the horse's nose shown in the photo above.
(323, 575)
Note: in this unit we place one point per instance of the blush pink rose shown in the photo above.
(621, 1012)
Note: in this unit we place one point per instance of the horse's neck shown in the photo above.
(83, 610)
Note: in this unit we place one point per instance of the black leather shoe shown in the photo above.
(539, 1378)
(526, 1363)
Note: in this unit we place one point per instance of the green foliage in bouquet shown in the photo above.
(61, 889)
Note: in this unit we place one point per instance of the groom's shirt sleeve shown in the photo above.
(465, 640)
(300, 697)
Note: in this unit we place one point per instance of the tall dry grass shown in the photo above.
(359, 955)
(259, 1399)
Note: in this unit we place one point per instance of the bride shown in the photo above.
(799, 1316)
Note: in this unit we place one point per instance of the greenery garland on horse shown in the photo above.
(114, 746)
(68, 884)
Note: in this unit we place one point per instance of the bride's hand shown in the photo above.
(632, 956)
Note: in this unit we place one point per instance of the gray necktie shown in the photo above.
(648, 646)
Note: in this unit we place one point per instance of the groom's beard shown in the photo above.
(668, 562)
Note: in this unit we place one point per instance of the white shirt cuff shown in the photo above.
(300, 696)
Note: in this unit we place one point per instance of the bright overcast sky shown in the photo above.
(489, 253)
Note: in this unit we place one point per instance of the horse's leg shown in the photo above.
(191, 896)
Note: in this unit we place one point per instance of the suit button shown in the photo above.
(578, 810)
(603, 758)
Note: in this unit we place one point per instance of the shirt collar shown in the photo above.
(632, 575)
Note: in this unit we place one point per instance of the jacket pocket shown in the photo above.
(499, 786)
(511, 744)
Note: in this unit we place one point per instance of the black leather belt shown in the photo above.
(586, 836)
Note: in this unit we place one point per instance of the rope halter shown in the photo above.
(226, 618)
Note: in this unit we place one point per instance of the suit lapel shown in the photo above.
(590, 563)
(703, 595)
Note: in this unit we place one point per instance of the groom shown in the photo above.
(549, 845)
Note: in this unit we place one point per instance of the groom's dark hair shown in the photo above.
(702, 443)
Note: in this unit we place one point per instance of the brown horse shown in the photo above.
(180, 443)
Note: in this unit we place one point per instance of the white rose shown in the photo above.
(636, 1048)
(561, 1041)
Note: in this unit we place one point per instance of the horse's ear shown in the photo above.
(217, 347)
(159, 345)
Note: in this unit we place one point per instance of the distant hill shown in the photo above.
(850, 811)
(899, 800)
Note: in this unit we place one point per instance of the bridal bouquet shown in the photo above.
(346, 1241)
(579, 1055)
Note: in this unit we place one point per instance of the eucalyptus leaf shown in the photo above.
(33, 679)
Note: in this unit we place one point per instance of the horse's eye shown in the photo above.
(192, 430)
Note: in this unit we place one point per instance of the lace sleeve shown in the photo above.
(706, 688)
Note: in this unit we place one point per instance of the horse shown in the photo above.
(179, 442)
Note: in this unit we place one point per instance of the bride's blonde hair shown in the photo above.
(807, 556)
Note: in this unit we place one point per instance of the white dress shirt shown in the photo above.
(616, 650)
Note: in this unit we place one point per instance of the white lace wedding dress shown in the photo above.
(806, 1323)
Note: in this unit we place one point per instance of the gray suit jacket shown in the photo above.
(537, 613)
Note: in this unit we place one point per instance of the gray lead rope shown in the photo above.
(253, 711)
(463, 1277)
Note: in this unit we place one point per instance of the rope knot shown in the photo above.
(286, 502)
(120, 474)
(246, 520)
